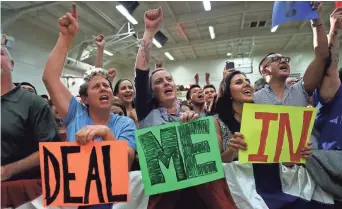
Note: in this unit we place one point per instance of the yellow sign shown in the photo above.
(275, 133)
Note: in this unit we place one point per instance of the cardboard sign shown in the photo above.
(275, 133)
(286, 11)
(74, 175)
(179, 155)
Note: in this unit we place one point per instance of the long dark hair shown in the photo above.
(224, 103)
(117, 85)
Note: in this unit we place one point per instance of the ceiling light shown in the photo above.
(229, 54)
(212, 33)
(169, 56)
(125, 13)
(207, 5)
(107, 53)
(155, 42)
(274, 29)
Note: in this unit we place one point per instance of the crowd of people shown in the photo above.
(105, 112)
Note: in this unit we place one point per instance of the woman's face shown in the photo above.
(164, 88)
(117, 110)
(126, 91)
(241, 89)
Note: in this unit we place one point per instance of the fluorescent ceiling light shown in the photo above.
(274, 29)
(207, 5)
(229, 54)
(125, 13)
(108, 53)
(155, 42)
(212, 33)
(169, 56)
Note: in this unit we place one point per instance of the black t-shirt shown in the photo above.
(26, 120)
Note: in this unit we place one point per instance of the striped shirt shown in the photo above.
(293, 96)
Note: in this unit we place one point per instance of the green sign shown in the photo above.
(179, 155)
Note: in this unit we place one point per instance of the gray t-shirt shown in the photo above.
(293, 96)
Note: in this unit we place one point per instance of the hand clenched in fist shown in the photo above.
(112, 74)
(99, 41)
(68, 24)
(153, 18)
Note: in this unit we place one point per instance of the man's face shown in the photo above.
(28, 88)
(196, 96)
(276, 66)
(209, 94)
(6, 61)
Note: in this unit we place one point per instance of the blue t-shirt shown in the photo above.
(77, 117)
(329, 122)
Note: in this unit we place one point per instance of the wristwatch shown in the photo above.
(316, 22)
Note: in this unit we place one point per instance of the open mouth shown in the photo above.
(283, 67)
(247, 92)
(168, 91)
(104, 98)
(201, 96)
(128, 95)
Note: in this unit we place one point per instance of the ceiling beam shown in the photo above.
(289, 42)
(17, 13)
(168, 7)
(242, 20)
(90, 8)
(188, 6)
(247, 33)
(181, 31)
(193, 51)
(233, 10)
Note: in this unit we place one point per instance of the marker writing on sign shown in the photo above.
(169, 148)
(93, 175)
(284, 126)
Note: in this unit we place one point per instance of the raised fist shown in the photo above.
(336, 19)
(68, 24)
(207, 76)
(99, 41)
(153, 18)
(112, 73)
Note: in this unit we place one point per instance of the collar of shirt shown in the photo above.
(14, 94)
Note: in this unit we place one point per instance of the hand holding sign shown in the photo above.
(285, 11)
(237, 142)
(89, 133)
(188, 116)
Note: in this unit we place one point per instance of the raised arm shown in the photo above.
(314, 73)
(100, 42)
(152, 20)
(196, 77)
(207, 77)
(60, 95)
(331, 81)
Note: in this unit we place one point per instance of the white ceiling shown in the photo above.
(185, 24)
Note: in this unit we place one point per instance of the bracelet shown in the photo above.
(316, 22)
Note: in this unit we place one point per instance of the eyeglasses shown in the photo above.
(277, 59)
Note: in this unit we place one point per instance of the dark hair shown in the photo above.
(209, 86)
(264, 60)
(45, 96)
(340, 72)
(119, 103)
(224, 105)
(188, 94)
(83, 92)
(28, 84)
(116, 87)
